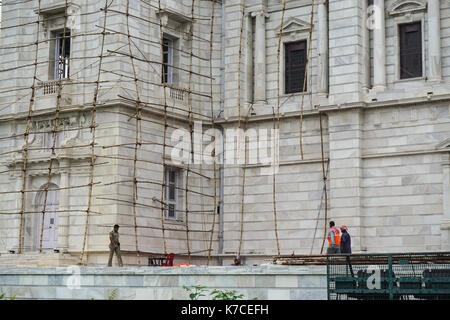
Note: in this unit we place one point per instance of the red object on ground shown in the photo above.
(181, 264)
(169, 261)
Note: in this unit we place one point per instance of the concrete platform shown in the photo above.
(164, 283)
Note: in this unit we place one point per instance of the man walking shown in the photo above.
(114, 246)
(346, 242)
(334, 240)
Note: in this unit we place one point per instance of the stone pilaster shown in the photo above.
(249, 57)
(434, 41)
(379, 46)
(323, 47)
(64, 204)
(260, 56)
(365, 50)
(346, 138)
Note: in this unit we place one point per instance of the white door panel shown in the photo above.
(50, 230)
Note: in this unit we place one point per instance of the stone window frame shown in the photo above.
(302, 83)
(417, 13)
(175, 26)
(178, 193)
(53, 48)
(170, 61)
(52, 17)
(301, 33)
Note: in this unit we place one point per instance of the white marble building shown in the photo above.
(379, 73)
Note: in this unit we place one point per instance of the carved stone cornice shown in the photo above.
(404, 7)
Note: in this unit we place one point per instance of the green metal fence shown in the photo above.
(393, 276)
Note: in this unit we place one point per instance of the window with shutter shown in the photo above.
(295, 66)
(60, 55)
(167, 69)
(410, 50)
(171, 192)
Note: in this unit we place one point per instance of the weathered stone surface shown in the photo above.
(284, 282)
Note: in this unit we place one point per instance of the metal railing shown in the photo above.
(396, 276)
(177, 94)
(49, 87)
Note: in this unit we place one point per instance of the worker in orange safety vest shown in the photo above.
(334, 240)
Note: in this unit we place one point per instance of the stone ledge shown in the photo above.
(226, 270)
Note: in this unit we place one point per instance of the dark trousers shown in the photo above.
(115, 250)
(333, 250)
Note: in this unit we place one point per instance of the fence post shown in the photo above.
(391, 294)
(328, 278)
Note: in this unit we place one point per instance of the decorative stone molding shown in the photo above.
(405, 7)
(293, 27)
(293, 30)
(445, 224)
(49, 10)
(70, 137)
(169, 15)
(444, 144)
(52, 7)
(260, 13)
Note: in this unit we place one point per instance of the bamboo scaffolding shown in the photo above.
(276, 126)
(138, 130)
(142, 110)
(37, 149)
(153, 42)
(324, 176)
(167, 85)
(211, 35)
(305, 79)
(186, 195)
(163, 179)
(157, 62)
(241, 31)
(49, 189)
(157, 228)
(28, 212)
(43, 132)
(164, 206)
(93, 124)
(27, 130)
(49, 18)
(58, 168)
(56, 124)
(156, 23)
(144, 104)
(152, 162)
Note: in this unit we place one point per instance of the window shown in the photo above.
(167, 70)
(61, 55)
(171, 192)
(410, 50)
(295, 66)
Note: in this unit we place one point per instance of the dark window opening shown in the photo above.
(295, 66)
(410, 50)
(171, 192)
(167, 73)
(62, 55)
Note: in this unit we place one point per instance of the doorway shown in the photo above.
(50, 230)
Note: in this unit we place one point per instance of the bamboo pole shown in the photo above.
(93, 124)
(27, 130)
